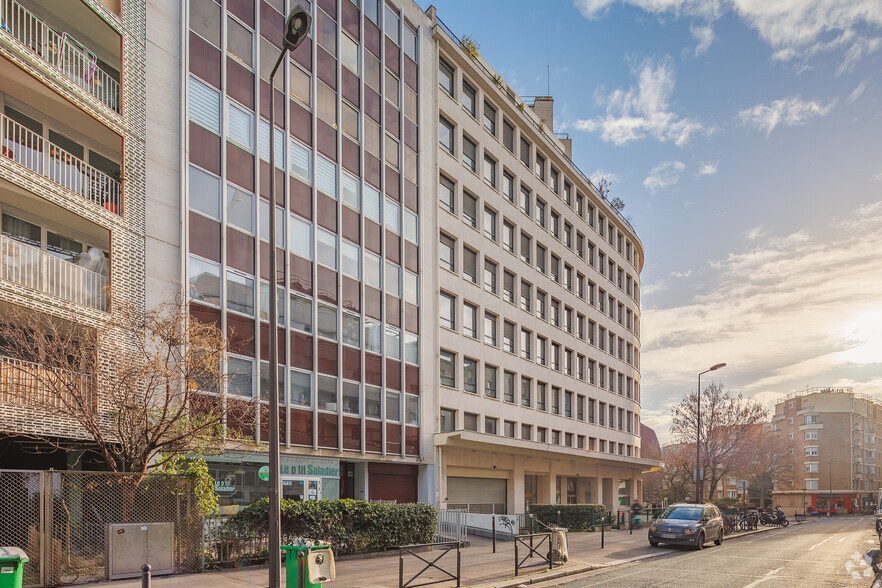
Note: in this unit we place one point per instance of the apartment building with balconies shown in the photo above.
(832, 433)
(539, 306)
(72, 188)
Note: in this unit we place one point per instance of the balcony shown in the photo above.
(64, 53)
(40, 155)
(32, 268)
(25, 382)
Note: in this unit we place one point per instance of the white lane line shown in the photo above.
(819, 544)
(841, 540)
(769, 575)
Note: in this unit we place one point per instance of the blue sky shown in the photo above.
(745, 137)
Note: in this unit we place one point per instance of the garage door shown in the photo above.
(392, 482)
(478, 495)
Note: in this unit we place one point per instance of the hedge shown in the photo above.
(574, 517)
(351, 526)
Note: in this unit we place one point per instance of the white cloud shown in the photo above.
(856, 93)
(643, 110)
(786, 111)
(664, 175)
(878, 176)
(598, 174)
(795, 30)
(707, 168)
(754, 233)
(685, 274)
(789, 310)
(705, 36)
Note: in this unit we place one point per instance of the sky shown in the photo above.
(745, 138)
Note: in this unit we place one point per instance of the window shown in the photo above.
(468, 99)
(240, 293)
(445, 76)
(470, 154)
(326, 325)
(351, 329)
(470, 375)
(240, 381)
(508, 236)
(811, 435)
(540, 166)
(490, 119)
(508, 337)
(526, 432)
(445, 135)
(204, 281)
(526, 344)
(448, 420)
(555, 400)
(490, 223)
(525, 152)
(301, 313)
(526, 198)
(240, 127)
(508, 286)
(811, 451)
(540, 257)
(508, 186)
(447, 253)
(490, 372)
(447, 194)
(470, 265)
(540, 304)
(490, 321)
(326, 248)
(490, 424)
(490, 276)
(508, 133)
(327, 393)
(489, 170)
(448, 369)
(469, 209)
(541, 345)
(811, 467)
(540, 212)
(526, 247)
(393, 406)
(508, 386)
(470, 320)
(469, 421)
(448, 310)
(526, 296)
(526, 391)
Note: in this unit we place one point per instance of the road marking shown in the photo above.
(769, 575)
(841, 540)
(819, 544)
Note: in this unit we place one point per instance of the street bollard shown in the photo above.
(630, 524)
(602, 529)
(493, 524)
(145, 576)
(532, 532)
(558, 518)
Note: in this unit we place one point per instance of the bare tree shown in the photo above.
(603, 186)
(727, 426)
(677, 484)
(147, 403)
(767, 461)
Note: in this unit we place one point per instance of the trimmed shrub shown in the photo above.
(575, 517)
(351, 526)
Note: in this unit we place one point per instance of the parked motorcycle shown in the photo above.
(780, 517)
(873, 557)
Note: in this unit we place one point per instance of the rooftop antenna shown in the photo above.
(548, 88)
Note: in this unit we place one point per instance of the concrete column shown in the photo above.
(596, 485)
(360, 482)
(544, 490)
(609, 493)
(516, 489)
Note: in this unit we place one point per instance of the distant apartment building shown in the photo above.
(833, 436)
(73, 197)
(538, 303)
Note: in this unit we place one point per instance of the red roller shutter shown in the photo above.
(396, 482)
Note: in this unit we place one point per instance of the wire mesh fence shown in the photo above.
(61, 518)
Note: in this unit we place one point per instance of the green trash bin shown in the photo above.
(12, 561)
(293, 563)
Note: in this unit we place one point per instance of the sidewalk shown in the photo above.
(480, 567)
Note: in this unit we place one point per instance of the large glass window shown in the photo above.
(326, 248)
(468, 98)
(351, 259)
(326, 176)
(448, 369)
(204, 191)
(301, 313)
(240, 380)
(301, 388)
(240, 293)
(445, 135)
(205, 105)
(240, 208)
(470, 375)
(447, 303)
(373, 402)
(327, 393)
(204, 281)
(470, 154)
(327, 322)
(351, 397)
(351, 329)
(445, 76)
(240, 127)
(301, 162)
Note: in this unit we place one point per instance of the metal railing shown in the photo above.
(40, 155)
(452, 526)
(33, 268)
(527, 542)
(415, 550)
(61, 51)
(25, 382)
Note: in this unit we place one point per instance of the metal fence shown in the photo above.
(60, 519)
(452, 526)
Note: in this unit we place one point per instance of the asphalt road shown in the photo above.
(822, 552)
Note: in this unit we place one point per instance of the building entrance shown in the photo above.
(301, 488)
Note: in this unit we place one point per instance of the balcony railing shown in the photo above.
(30, 267)
(48, 159)
(25, 382)
(61, 51)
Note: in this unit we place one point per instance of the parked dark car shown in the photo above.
(688, 524)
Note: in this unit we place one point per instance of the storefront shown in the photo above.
(241, 479)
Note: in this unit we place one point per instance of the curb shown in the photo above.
(542, 577)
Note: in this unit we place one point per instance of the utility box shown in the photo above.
(131, 545)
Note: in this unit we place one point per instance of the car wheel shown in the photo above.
(700, 544)
(653, 543)
(719, 540)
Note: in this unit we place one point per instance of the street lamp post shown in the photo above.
(830, 473)
(698, 478)
(296, 29)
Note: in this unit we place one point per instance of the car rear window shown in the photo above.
(685, 513)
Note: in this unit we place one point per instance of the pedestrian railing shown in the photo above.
(417, 551)
(452, 526)
(43, 157)
(61, 51)
(533, 543)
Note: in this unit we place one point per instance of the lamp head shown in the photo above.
(718, 366)
(296, 28)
